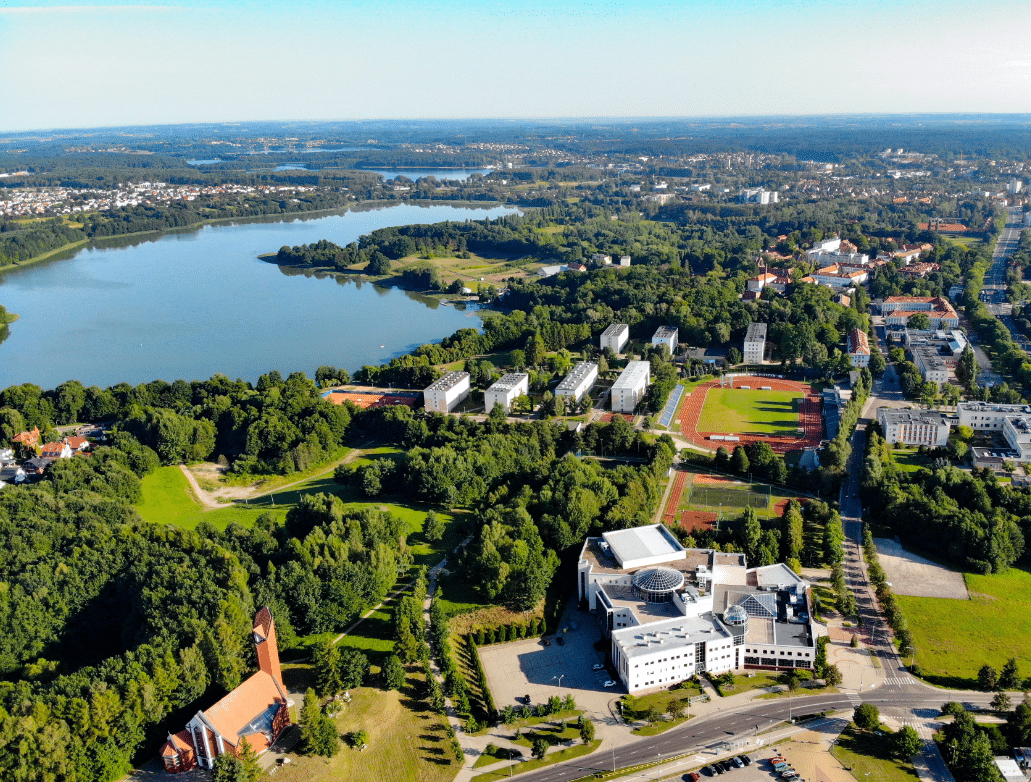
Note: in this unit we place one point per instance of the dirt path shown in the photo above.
(224, 495)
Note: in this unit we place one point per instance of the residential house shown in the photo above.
(36, 467)
(28, 440)
(12, 473)
(58, 450)
(859, 348)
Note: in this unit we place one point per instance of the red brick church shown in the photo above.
(255, 712)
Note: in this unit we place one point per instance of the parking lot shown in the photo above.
(911, 574)
(517, 669)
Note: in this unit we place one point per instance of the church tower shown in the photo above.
(266, 646)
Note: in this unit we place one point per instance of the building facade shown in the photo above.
(578, 382)
(668, 336)
(630, 387)
(755, 343)
(442, 396)
(859, 348)
(506, 390)
(615, 337)
(915, 427)
(898, 309)
(670, 613)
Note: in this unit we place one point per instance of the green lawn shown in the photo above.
(954, 638)
(167, 498)
(732, 410)
(530, 765)
(868, 756)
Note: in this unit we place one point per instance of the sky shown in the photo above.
(167, 61)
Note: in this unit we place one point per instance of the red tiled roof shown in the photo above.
(858, 342)
(27, 437)
(53, 448)
(177, 742)
(76, 442)
(248, 701)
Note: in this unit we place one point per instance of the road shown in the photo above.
(994, 291)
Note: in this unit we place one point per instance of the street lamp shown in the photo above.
(559, 680)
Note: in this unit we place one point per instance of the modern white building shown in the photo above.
(935, 353)
(840, 258)
(756, 195)
(443, 395)
(579, 381)
(831, 245)
(988, 415)
(1017, 431)
(859, 348)
(666, 335)
(755, 343)
(671, 612)
(915, 427)
(615, 337)
(624, 260)
(629, 388)
(506, 390)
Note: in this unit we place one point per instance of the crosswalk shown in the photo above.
(854, 699)
(895, 681)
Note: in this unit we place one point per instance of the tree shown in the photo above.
(327, 669)
(734, 357)
(866, 716)
(318, 733)
(1001, 702)
(393, 673)
(739, 461)
(227, 769)
(987, 678)
(751, 534)
(833, 676)
(906, 743)
(675, 708)
(433, 526)
(967, 369)
(539, 748)
(586, 730)
(250, 770)
(919, 321)
(1009, 677)
(353, 668)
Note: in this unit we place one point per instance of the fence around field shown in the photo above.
(729, 498)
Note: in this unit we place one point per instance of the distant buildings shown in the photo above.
(442, 396)
(666, 335)
(578, 382)
(671, 613)
(858, 348)
(915, 427)
(629, 388)
(506, 390)
(615, 337)
(756, 195)
(755, 343)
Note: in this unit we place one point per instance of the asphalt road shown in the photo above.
(994, 291)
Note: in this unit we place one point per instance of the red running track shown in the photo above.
(809, 419)
(674, 497)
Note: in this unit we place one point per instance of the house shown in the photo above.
(77, 444)
(760, 281)
(615, 337)
(628, 390)
(551, 271)
(859, 348)
(12, 473)
(671, 612)
(27, 439)
(36, 467)
(505, 391)
(442, 396)
(256, 712)
(624, 260)
(58, 450)
(755, 343)
(837, 276)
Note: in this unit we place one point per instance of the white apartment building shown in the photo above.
(443, 395)
(755, 343)
(915, 427)
(988, 415)
(671, 612)
(831, 245)
(629, 388)
(1017, 431)
(615, 337)
(845, 259)
(666, 335)
(756, 195)
(859, 348)
(579, 381)
(506, 390)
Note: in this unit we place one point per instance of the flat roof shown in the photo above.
(756, 331)
(665, 332)
(632, 375)
(641, 542)
(509, 381)
(669, 634)
(913, 416)
(449, 381)
(614, 329)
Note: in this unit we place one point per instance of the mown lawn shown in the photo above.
(167, 498)
(868, 756)
(407, 743)
(954, 638)
(732, 410)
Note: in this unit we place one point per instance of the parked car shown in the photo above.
(599, 667)
(747, 760)
(693, 776)
(526, 699)
(789, 775)
(708, 771)
(738, 762)
(610, 683)
(545, 642)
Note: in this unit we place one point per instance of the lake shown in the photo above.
(188, 305)
(458, 174)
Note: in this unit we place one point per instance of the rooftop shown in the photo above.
(669, 634)
(638, 543)
(615, 329)
(576, 376)
(633, 374)
(665, 332)
(909, 416)
(509, 381)
(449, 381)
(756, 331)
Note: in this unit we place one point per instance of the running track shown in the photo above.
(809, 416)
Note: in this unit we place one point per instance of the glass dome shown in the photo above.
(657, 584)
(736, 615)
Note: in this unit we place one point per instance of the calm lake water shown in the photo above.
(189, 305)
(459, 174)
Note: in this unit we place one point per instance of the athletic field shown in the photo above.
(747, 411)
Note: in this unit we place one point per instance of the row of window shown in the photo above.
(767, 651)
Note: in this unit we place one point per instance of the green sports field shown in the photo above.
(748, 411)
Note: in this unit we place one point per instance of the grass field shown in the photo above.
(406, 742)
(731, 410)
(869, 757)
(167, 498)
(729, 498)
(955, 638)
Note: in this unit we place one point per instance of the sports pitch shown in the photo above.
(750, 411)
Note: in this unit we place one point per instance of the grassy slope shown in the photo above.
(869, 754)
(168, 499)
(954, 638)
(755, 412)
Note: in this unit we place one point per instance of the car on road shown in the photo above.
(609, 683)
(598, 667)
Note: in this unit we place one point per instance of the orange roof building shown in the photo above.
(28, 439)
(255, 712)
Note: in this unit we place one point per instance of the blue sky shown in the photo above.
(114, 63)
